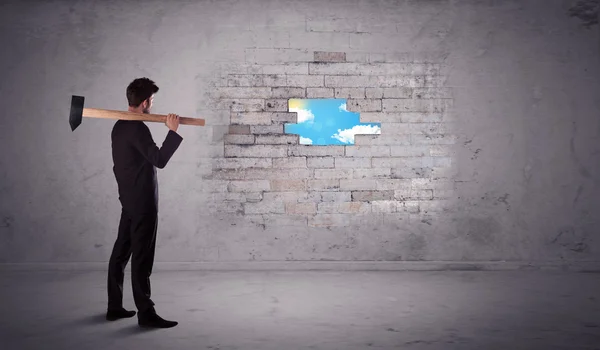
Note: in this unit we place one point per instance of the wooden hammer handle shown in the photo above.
(124, 115)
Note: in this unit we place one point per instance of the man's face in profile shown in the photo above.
(148, 104)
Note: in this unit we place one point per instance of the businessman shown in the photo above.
(135, 158)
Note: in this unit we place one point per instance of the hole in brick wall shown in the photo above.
(327, 122)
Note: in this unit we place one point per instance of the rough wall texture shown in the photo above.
(488, 148)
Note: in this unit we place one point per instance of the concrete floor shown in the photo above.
(309, 310)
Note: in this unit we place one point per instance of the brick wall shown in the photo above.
(267, 177)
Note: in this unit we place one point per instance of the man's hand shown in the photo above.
(172, 121)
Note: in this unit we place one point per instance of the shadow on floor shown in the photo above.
(127, 326)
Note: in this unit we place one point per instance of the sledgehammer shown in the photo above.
(78, 112)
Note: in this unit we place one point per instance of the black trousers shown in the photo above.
(136, 240)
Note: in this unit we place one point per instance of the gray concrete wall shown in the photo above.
(488, 151)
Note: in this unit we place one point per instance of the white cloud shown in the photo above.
(347, 135)
(343, 108)
(305, 141)
(304, 115)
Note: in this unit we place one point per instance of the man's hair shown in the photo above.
(139, 90)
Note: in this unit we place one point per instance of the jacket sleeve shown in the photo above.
(159, 157)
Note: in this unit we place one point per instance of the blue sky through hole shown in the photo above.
(327, 122)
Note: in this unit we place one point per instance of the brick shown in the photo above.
(409, 207)
(402, 194)
(274, 80)
(373, 69)
(306, 81)
(333, 173)
(358, 93)
(432, 93)
(435, 206)
(261, 173)
(411, 105)
(329, 220)
(241, 105)
(367, 151)
(416, 117)
(347, 162)
(258, 151)
(416, 128)
(286, 196)
(357, 184)
(410, 173)
(343, 208)
(264, 208)
(398, 92)
(323, 184)
(440, 151)
(233, 68)
(391, 57)
(248, 186)
(437, 162)
(229, 196)
(373, 81)
(313, 197)
(398, 162)
(284, 139)
(384, 206)
(226, 207)
(288, 185)
(266, 129)
(443, 193)
(239, 139)
(421, 194)
(436, 81)
(302, 150)
(283, 220)
(290, 162)
(263, 118)
(287, 68)
(410, 151)
(315, 92)
(372, 173)
(239, 129)
(274, 55)
(241, 92)
(396, 140)
(433, 139)
(244, 80)
(432, 184)
(368, 196)
(364, 105)
(276, 105)
(320, 162)
(254, 197)
(288, 92)
(336, 196)
(322, 56)
(301, 208)
(393, 184)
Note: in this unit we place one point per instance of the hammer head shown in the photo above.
(76, 114)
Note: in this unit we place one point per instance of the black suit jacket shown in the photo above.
(135, 159)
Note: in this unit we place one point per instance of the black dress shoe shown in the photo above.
(152, 320)
(113, 315)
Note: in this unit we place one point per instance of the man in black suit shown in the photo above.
(136, 157)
